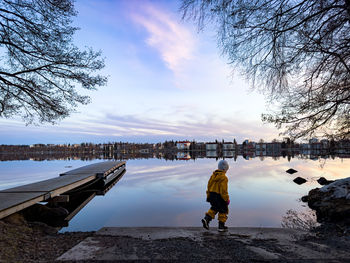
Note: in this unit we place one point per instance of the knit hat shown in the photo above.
(223, 165)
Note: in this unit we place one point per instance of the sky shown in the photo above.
(166, 81)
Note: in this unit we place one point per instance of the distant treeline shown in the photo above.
(178, 150)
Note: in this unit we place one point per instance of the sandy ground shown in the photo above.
(40, 243)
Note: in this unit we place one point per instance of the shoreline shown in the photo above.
(37, 242)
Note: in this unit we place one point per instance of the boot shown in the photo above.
(205, 221)
(222, 227)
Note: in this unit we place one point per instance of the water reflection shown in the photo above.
(58, 210)
(275, 151)
(159, 192)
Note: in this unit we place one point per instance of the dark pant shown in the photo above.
(218, 205)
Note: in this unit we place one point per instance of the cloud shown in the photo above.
(176, 123)
(173, 41)
(204, 128)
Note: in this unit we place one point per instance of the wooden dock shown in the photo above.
(18, 198)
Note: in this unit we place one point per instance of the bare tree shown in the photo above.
(40, 67)
(296, 52)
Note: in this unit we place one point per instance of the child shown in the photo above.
(218, 197)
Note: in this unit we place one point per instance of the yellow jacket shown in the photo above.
(218, 184)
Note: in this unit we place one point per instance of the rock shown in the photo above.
(305, 198)
(324, 181)
(53, 216)
(332, 202)
(15, 219)
(291, 171)
(299, 180)
(43, 228)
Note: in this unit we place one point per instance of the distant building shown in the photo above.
(199, 146)
(228, 146)
(184, 145)
(37, 145)
(211, 146)
(248, 145)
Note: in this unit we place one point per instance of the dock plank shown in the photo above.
(96, 168)
(13, 202)
(10, 199)
(17, 198)
(50, 184)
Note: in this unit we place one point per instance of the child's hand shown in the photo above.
(228, 202)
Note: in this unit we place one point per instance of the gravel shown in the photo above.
(21, 241)
(35, 242)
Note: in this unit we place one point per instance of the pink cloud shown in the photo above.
(172, 40)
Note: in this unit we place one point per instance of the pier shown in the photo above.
(18, 198)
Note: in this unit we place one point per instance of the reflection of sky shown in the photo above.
(156, 192)
(15, 173)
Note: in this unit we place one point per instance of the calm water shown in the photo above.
(156, 192)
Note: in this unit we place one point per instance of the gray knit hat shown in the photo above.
(223, 165)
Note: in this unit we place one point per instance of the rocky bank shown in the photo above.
(37, 242)
(331, 203)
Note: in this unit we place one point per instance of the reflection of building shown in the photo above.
(273, 148)
(211, 146)
(260, 149)
(324, 144)
(260, 152)
(168, 149)
(228, 154)
(313, 157)
(246, 157)
(261, 146)
(304, 148)
(184, 145)
(183, 156)
(211, 154)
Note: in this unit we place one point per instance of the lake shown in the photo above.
(157, 192)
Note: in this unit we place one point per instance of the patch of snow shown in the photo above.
(340, 188)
